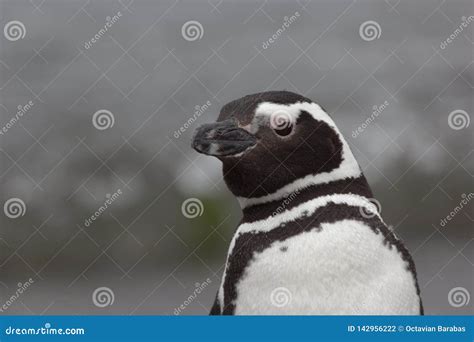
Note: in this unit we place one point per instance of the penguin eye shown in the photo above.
(284, 130)
(281, 123)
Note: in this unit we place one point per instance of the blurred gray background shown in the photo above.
(152, 75)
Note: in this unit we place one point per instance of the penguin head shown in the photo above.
(274, 143)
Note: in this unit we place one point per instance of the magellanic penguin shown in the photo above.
(310, 242)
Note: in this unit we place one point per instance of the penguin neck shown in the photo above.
(357, 186)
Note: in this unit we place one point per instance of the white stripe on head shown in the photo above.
(349, 168)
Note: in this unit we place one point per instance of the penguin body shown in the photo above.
(310, 240)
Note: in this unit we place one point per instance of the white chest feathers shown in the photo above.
(341, 268)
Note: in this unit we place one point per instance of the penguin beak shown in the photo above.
(222, 138)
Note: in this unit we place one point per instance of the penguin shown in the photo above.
(311, 240)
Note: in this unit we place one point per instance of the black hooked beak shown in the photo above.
(222, 138)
